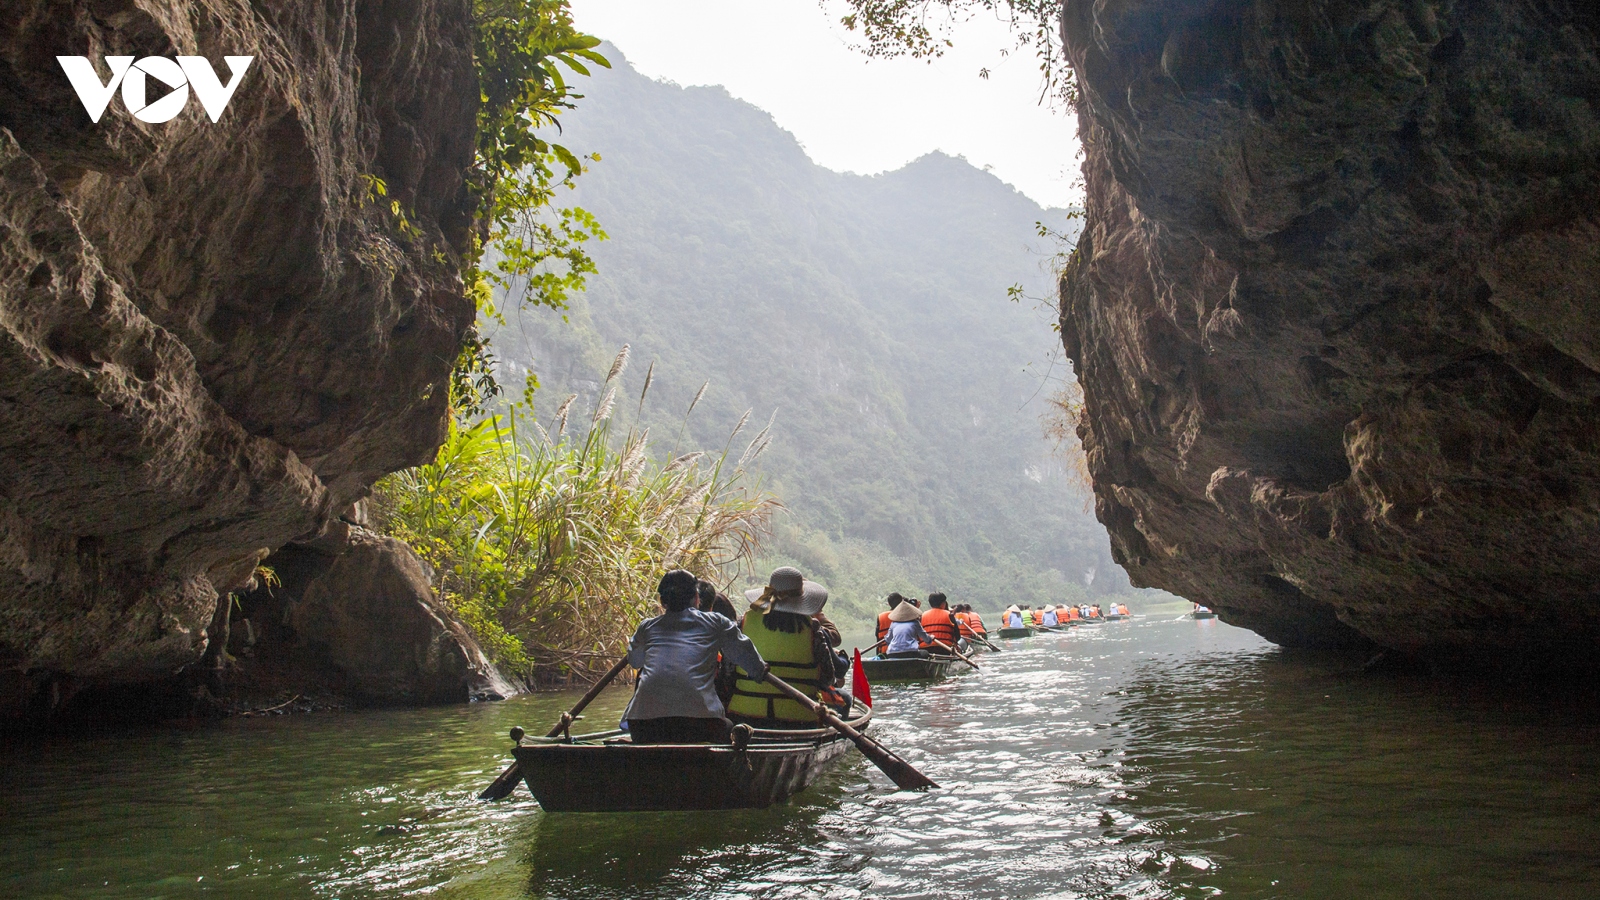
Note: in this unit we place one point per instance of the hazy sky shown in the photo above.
(793, 59)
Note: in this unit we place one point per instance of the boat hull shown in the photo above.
(1204, 615)
(881, 669)
(606, 773)
(1016, 632)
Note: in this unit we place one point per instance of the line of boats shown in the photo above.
(759, 768)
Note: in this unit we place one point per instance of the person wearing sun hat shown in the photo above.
(906, 636)
(786, 624)
(1012, 617)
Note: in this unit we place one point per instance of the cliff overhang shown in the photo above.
(214, 336)
(1336, 316)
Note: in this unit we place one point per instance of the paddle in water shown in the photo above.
(502, 787)
(959, 655)
(899, 771)
(980, 636)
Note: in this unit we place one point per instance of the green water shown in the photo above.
(1157, 758)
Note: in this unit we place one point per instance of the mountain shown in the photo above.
(868, 315)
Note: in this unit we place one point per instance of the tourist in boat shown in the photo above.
(906, 637)
(1036, 614)
(785, 622)
(1048, 619)
(1013, 617)
(713, 600)
(1070, 613)
(938, 624)
(676, 654)
(883, 618)
(971, 623)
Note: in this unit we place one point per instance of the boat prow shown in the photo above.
(607, 772)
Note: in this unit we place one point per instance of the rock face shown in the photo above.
(354, 614)
(1336, 316)
(213, 334)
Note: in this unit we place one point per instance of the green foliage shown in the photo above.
(525, 51)
(549, 546)
(921, 29)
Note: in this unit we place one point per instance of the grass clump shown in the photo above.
(549, 545)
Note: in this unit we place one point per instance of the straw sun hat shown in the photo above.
(788, 591)
(905, 612)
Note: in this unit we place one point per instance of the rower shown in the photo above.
(676, 654)
(938, 624)
(906, 637)
(971, 623)
(786, 624)
(883, 618)
(1048, 617)
(1013, 617)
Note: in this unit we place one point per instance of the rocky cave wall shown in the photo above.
(213, 336)
(1336, 316)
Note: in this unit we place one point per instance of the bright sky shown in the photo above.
(793, 59)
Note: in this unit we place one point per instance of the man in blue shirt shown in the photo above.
(676, 654)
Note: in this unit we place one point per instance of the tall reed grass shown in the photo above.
(549, 545)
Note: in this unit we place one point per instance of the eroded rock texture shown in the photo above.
(211, 336)
(354, 615)
(1336, 315)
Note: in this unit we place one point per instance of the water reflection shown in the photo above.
(1307, 780)
(1160, 758)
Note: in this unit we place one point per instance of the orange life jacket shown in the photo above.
(1072, 613)
(883, 625)
(970, 623)
(940, 625)
(1038, 616)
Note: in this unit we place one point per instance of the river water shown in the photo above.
(1155, 758)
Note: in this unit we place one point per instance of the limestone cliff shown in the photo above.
(213, 336)
(1336, 315)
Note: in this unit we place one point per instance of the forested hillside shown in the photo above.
(870, 314)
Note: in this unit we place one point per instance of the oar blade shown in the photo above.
(902, 773)
(501, 787)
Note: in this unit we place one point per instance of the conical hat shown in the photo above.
(905, 612)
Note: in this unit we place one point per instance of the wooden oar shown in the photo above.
(959, 655)
(899, 771)
(502, 787)
(985, 639)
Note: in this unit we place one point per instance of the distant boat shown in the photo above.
(1203, 614)
(607, 772)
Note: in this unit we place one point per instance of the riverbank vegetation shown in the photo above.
(548, 541)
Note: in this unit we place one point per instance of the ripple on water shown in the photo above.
(1154, 759)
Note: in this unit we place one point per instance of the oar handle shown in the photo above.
(958, 653)
(567, 718)
(900, 771)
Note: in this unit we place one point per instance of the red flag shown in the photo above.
(858, 682)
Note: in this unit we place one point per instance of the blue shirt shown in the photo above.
(1050, 617)
(906, 636)
(676, 655)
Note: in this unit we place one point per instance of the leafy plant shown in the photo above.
(536, 251)
(921, 29)
(549, 546)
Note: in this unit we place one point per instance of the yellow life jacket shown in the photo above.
(791, 659)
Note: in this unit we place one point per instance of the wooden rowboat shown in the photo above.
(1022, 632)
(908, 668)
(1203, 614)
(606, 772)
